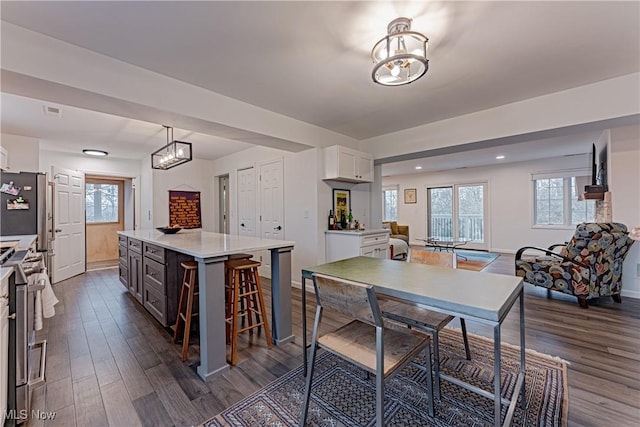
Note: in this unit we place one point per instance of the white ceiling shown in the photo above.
(310, 60)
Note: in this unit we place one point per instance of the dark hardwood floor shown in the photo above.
(110, 363)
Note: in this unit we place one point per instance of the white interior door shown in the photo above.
(247, 202)
(69, 224)
(271, 206)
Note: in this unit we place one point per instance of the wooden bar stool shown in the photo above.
(228, 286)
(185, 306)
(247, 301)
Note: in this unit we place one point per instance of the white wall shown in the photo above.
(509, 192)
(24, 153)
(302, 223)
(95, 166)
(193, 176)
(624, 183)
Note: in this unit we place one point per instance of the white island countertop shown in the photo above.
(205, 244)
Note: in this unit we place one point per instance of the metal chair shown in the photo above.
(423, 319)
(366, 341)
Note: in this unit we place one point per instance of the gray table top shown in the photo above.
(484, 296)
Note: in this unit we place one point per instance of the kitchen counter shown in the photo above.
(358, 232)
(25, 241)
(204, 244)
(211, 250)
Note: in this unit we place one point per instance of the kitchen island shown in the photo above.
(210, 250)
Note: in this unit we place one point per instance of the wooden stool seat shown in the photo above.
(185, 306)
(245, 300)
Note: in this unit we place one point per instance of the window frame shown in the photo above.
(119, 210)
(566, 177)
(385, 188)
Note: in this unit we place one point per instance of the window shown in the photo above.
(102, 202)
(390, 204)
(557, 201)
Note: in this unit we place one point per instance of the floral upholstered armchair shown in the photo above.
(589, 266)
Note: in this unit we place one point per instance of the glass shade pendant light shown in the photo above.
(400, 57)
(171, 155)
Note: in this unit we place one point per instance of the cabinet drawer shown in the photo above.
(155, 304)
(135, 245)
(154, 252)
(374, 239)
(123, 272)
(375, 251)
(122, 240)
(153, 275)
(122, 253)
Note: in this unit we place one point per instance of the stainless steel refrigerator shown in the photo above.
(23, 206)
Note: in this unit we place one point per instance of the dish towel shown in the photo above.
(49, 298)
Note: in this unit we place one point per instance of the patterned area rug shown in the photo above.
(343, 396)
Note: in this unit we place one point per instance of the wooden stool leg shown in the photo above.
(188, 315)
(234, 318)
(180, 308)
(262, 308)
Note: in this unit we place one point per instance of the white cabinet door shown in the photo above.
(347, 163)
(365, 167)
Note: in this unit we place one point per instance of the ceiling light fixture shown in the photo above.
(171, 155)
(499, 157)
(400, 57)
(97, 153)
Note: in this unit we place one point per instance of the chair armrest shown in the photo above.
(557, 245)
(549, 252)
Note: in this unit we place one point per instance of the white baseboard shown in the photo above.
(630, 294)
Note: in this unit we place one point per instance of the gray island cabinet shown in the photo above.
(152, 275)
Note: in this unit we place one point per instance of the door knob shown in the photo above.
(278, 228)
(242, 225)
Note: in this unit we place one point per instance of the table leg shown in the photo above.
(282, 331)
(304, 326)
(523, 370)
(213, 346)
(497, 374)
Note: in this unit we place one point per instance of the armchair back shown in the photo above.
(603, 247)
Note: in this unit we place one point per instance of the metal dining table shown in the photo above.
(475, 296)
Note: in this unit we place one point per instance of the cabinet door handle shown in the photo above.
(277, 228)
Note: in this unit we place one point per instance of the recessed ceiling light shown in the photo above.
(92, 152)
(418, 167)
(499, 157)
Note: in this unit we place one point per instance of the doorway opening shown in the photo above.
(108, 204)
(223, 192)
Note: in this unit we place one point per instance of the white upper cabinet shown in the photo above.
(345, 164)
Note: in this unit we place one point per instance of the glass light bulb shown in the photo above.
(180, 152)
(395, 71)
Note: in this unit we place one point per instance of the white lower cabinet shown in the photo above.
(348, 244)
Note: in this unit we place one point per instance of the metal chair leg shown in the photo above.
(467, 351)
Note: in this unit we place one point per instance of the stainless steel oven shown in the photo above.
(27, 356)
